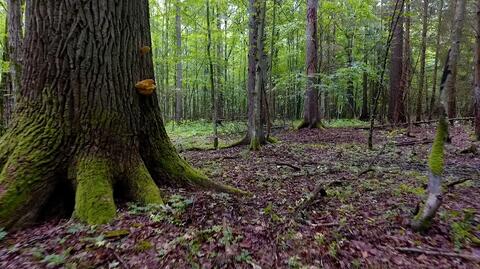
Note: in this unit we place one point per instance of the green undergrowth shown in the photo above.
(199, 134)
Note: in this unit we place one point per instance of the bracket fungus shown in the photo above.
(144, 50)
(146, 87)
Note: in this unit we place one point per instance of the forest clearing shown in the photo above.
(361, 221)
(239, 134)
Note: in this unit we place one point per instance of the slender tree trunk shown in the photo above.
(437, 52)
(15, 45)
(179, 74)
(83, 127)
(212, 80)
(455, 55)
(477, 74)
(423, 219)
(5, 85)
(255, 136)
(396, 109)
(423, 49)
(311, 114)
(364, 114)
(350, 95)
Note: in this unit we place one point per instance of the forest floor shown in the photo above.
(361, 222)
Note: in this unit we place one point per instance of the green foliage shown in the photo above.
(244, 256)
(269, 211)
(462, 230)
(320, 239)
(54, 260)
(171, 211)
(404, 188)
(143, 245)
(3, 234)
(294, 262)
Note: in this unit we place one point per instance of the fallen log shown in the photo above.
(414, 123)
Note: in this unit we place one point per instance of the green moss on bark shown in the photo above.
(27, 176)
(94, 202)
(142, 187)
(436, 159)
(255, 144)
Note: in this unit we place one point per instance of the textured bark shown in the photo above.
(15, 45)
(255, 136)
(81, 124)
(477, 74)
(311, 113)
(179, 74)
(437, 52)
(421, 81)
(396, 109)
(455, 55)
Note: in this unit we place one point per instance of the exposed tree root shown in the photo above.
(94, 202)
(315, 125)
(141, 186)
(28, 176)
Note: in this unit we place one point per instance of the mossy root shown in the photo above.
(94, 202)
(316, 125)
(25, 186)
(142, 188)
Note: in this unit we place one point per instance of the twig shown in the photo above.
(325, 224)
(373, 161)
(318, 192)
(294, 167)
(441, 253)
(453, 184)
(122, 262)
(413, 142)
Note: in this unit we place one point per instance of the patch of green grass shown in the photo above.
(463, 230)
(343, 123)
(404, 189)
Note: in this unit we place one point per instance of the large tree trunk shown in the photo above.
(421, 82)
(82, 124)
(455, 55)
(311, 113)
(15, 43)
(396, 109)
(477, 75)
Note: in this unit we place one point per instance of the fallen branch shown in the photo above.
(414, 142)
(414, 123)
(453, 184)
(441, 253)
(294, 167)
(317, 193)
(122, 262)
(373, 161)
